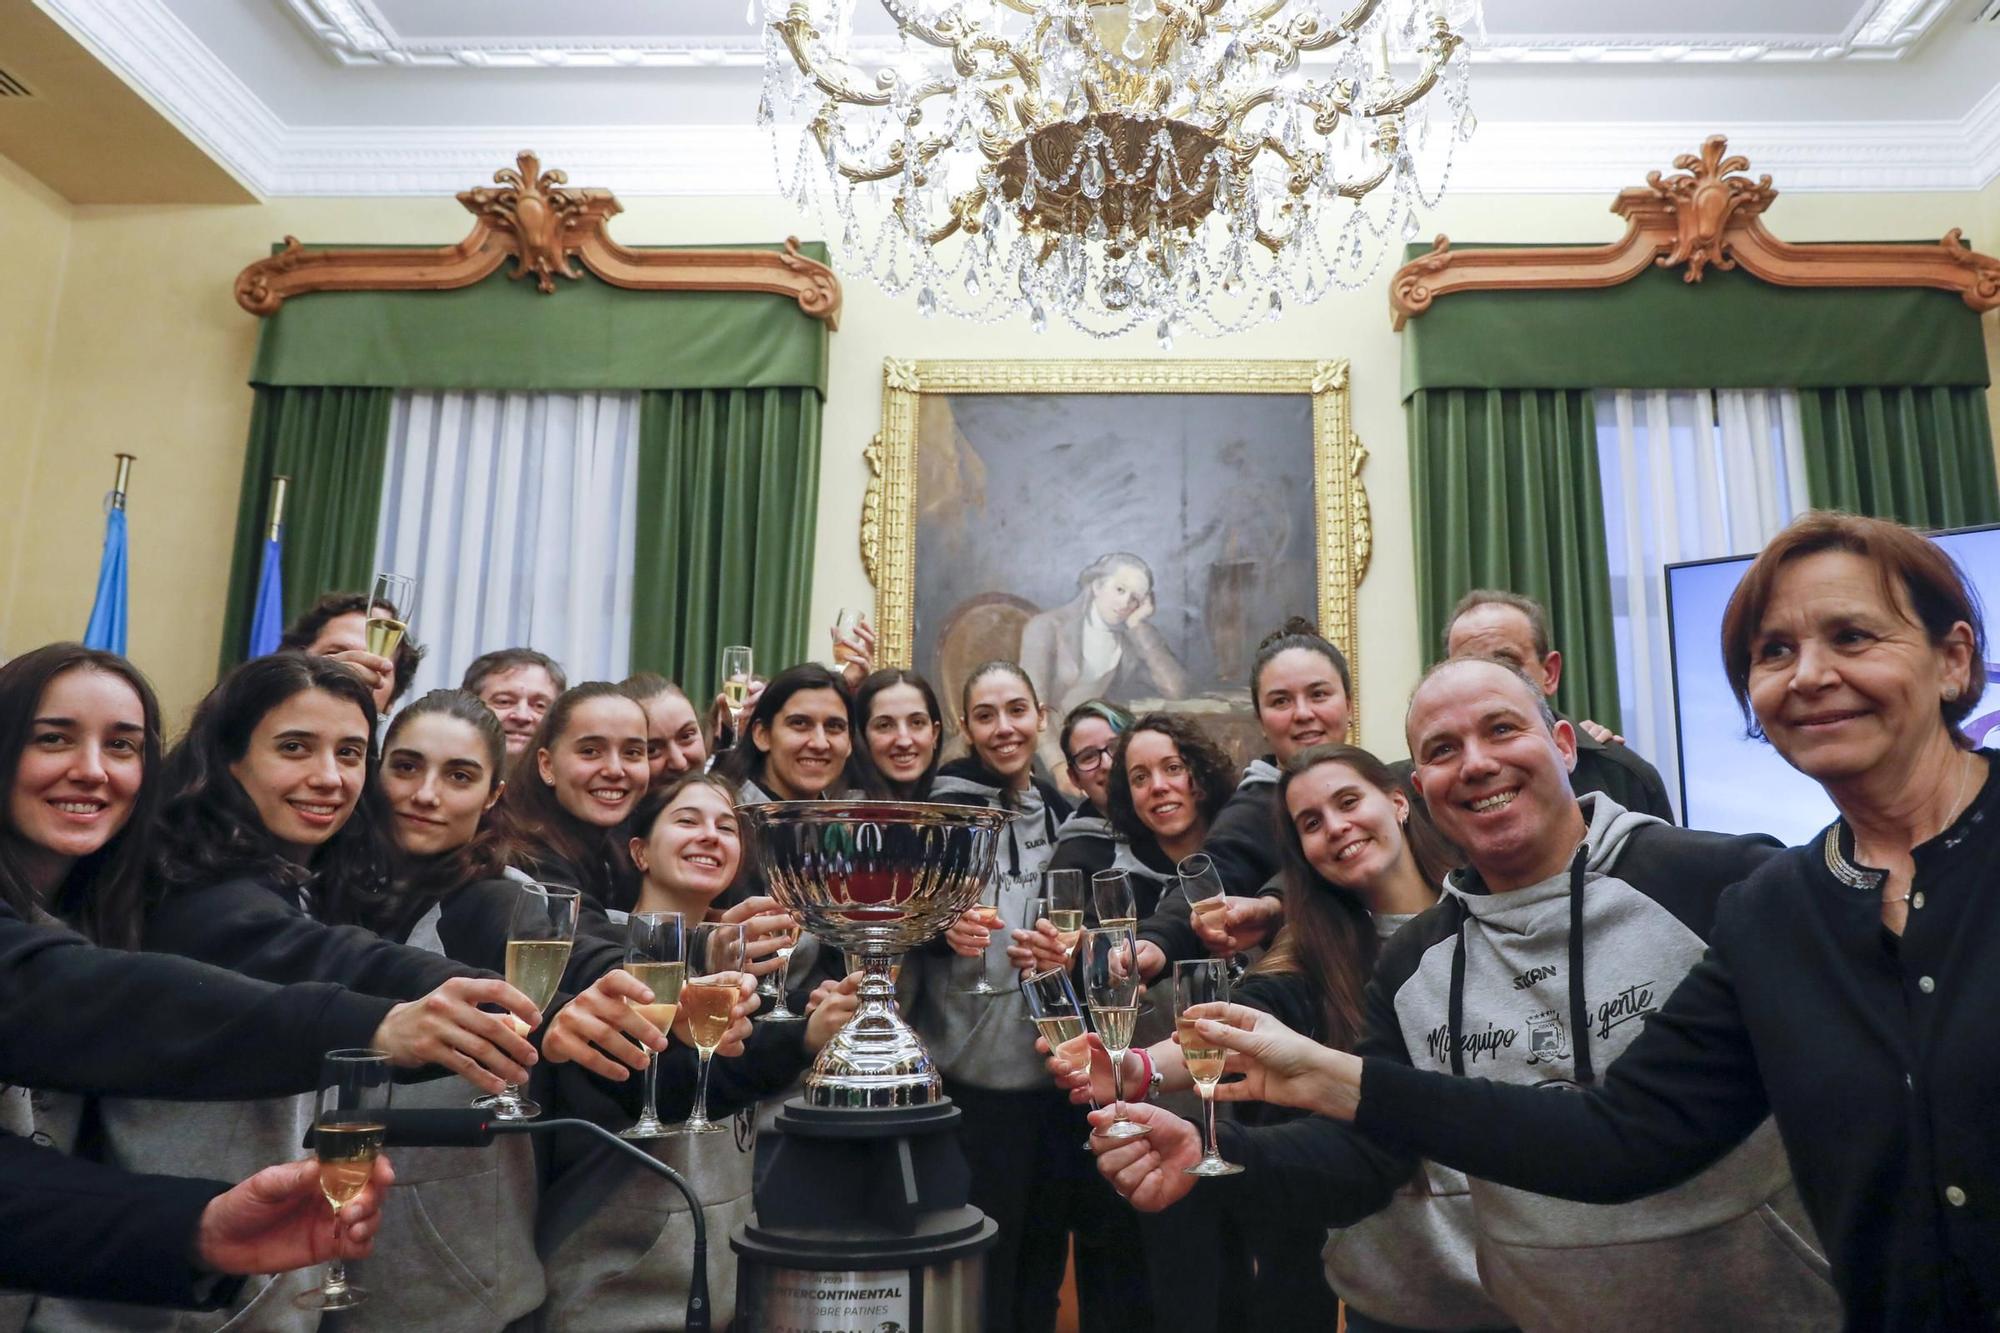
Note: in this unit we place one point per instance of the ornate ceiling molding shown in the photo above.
(153, 51)
(1709, 216)
(533, 217)
(355, 32)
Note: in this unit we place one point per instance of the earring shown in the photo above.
(1951, 694)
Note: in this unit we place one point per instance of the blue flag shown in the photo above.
(107, 614)
(267, 622)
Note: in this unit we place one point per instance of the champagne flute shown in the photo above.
(1111, 893)
(844, 625)
(392, 605)
(772, 987)
(655, 953)
(736, 678)
(987, 913)
(1065, 890)
(1202, 981)
(1201, 884)
(707, 1002)
(1111, 988)
(1053, 1007)
(348, 1128)
(538, 943)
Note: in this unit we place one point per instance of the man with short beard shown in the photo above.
(518, 684)
(1574, 920)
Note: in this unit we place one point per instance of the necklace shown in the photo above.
(1860, 878)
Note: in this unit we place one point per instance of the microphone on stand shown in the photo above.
(470, 1127)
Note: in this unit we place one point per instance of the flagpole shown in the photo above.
(106, 628)
(278, 487)
(123, 481)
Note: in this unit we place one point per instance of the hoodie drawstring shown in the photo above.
(1579, 1015)
(1578, 1019)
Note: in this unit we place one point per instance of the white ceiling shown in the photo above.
(656, 96)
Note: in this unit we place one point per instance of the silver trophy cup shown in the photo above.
(877, 879)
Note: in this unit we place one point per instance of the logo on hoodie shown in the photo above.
(1548, 1039)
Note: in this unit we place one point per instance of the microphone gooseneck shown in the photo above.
(470, 1127)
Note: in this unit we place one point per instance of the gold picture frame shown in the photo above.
(1343, 532)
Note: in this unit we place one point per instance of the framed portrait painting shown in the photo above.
(1123, 529)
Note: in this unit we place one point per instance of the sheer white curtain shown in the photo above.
(516, 514)
(1687, 475)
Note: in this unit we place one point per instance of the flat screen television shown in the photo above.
(1734, 784)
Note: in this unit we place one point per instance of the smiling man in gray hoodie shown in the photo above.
(1539, 964)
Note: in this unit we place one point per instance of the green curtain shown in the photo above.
(333, 444)
(503, 334)
(1505, 492)
(1920, 456)
(729, 491)
(1729, 331)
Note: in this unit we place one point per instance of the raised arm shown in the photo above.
(68, 1009)
(1684, 1093)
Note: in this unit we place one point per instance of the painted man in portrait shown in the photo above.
(1102, 643)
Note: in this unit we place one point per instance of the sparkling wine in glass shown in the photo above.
(1066, 892)
(736, 673)
(1111, 894)
(1111, 988)
(706, 1003)
(392, 605)
(348, 1128)
(987, 913)
(655, 953)
(1202, 981)
(1053, 1007)
(539, 938)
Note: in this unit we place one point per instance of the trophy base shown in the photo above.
(875, 1062)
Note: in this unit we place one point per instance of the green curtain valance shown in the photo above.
(1728, 331)
(503, 334)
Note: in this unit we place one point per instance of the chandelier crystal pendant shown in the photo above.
(1195, 165)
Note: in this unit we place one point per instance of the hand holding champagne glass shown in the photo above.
(986, 914)
(348, 1128)
(707, 1006)
(1065, 892)
(1202, 981)
(539, 940)
(655, 953)
(1111, 988)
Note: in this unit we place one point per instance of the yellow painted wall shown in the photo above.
(34, 235)
(150, 354)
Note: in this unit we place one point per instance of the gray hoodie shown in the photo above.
(456, 1253)
(984, 1041)
(1552, 983)
(1415, 1263)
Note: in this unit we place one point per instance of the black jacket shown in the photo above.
(67, 1009)
(259, 929)
(1870, 1050)
(75, 1228)
(1317, 1166)
(1619, 772)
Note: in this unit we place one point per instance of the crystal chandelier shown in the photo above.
(1192, 164)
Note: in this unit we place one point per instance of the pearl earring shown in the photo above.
(1951, 694)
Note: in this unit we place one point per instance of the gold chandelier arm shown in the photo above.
(795, 29)
(1413, 92)
(962, 61)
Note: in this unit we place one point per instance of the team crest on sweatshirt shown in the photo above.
(1548, 1039)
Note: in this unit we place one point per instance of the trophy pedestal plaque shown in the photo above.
(862, 1219)
(862, 1222)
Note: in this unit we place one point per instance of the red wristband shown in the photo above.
(1146, 1059)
